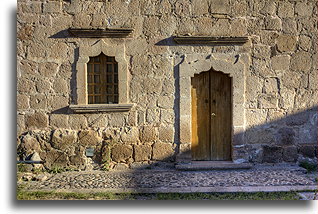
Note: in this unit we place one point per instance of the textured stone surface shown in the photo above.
(63, 139)
(89, 138)
(142, 152)
(121, 153)
(36, 120)
(256, 179)
(286, 43)
(308, 151)
(163, 151)
(290, 154)
(148, 134)
(272, 154)
(274, 77)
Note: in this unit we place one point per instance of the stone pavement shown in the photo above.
(265, 179)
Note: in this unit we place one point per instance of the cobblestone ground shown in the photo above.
(94, 180)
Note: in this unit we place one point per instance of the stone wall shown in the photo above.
(280, 78)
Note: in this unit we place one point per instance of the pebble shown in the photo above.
(172, 178)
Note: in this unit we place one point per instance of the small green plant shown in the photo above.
(21, 167)
(56, 169)
(310, 167)
(37, 170)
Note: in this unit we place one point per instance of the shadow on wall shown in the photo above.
(289, 139)
(286, 139)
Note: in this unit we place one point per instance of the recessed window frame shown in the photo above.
(85, 53)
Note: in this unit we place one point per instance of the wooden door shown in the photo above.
(211, 116)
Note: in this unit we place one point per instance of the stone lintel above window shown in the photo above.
(100, 33)
(98, 108)
(209, 40)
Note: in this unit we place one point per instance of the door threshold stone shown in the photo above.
(212, 165)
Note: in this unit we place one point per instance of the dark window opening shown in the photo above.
(102, 80)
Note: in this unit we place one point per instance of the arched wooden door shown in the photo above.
(211, 93)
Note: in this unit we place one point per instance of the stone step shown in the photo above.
(212, 165)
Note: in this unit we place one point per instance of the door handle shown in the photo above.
(213, 114)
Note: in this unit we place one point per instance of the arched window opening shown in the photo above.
(102, 80)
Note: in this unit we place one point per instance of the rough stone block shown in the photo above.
(36, 120)
(166, 133)
(261, 51)
(54, 158)
(97, 120)
(289, 26)
(60, 86)
(269, 7)
(59, 120)
(308, 151)
(276, 116)
(301, 61)
(290, 154)
(121, 153)
(43, 86)
(63, 139)
(239, 27)
(286, 136)
(52, 7)
(77, 122)
(22, 102)
(167, 116)
(313, 76)
(148, 134)
(305, 42)
(25, 86)
(200, 7)
(220, 6)
(27, 67)
(58, 103)
(286, 43)
(116, 119)
(273, 23)
(38, 101)
(303, 8)
(280, 62)
(64, 71)
(290, 80)
(153, 116)
(272, 154)
(78, 161)
(151, 85)
(142, 152)
(239, 8)
(261, 135)
(59, 51)
(166, 102)
(285, 9)
(267, 101)
(89, 138)
(163, 151)
(297, 119)
(256, 117)
(270, 86)
(29, 144)
(130, 135)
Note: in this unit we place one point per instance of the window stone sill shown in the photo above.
(97, 108)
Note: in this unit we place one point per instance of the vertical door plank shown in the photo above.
(221, 116)
(200, 93)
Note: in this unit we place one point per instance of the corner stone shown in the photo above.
(163, 151)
